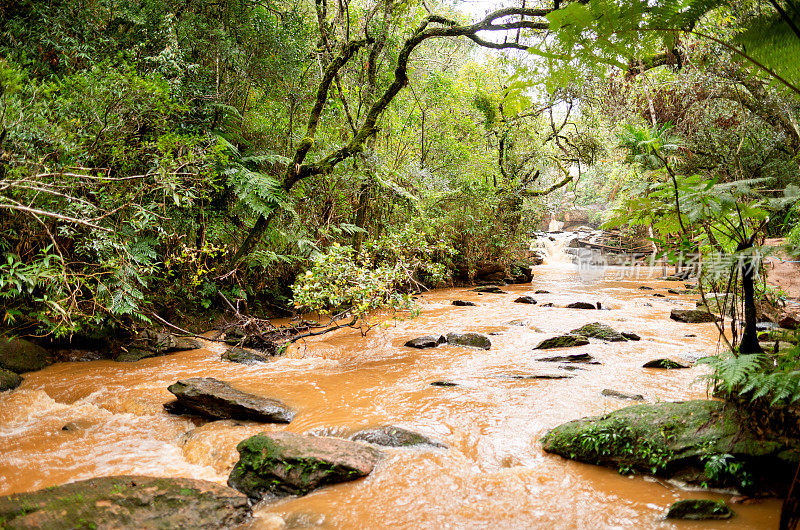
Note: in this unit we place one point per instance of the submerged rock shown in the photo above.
(217, 399)
(473, 340)
(645, 288)
(631, 336)
(519, 322)
(699, 510)
(570, 358)
(676, 440)
(581, 305)
(284, 463)
(426, 341)
(18, 356)
(622, 395)
(243, 356)
(596, 330)
(127, 502)
(9, 380)
(391, 436)
(667, 364)
(692, 316)
(463, 303)
(525, 300)
(493, 289)
(540, 375)
(444, 383)
(562, 341)
(541, 291)
(548, 304)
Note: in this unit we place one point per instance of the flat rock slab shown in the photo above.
(127, 502)
(596, 330)
(562, 341)
(473, 340)
(244, 356)
(667, 364)
(699, 510)
(525, 300)
(391, 436)
(570, 358)
(284, 463)
(463, 303)
(426, 341)
(493, 289)
(621, 395)
(443, 383)
(581, 305)
(217, 399)
(692, 316)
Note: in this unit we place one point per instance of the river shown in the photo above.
(494, 473)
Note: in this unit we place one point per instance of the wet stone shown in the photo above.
(525, 300)
(570, 358)
(472, 340)
(9, 380)
(621, 395)
(562, 341)
(541, 291)
(426, 341)
(692, 316)
(581, 305)
(391, 436)
(218, 400)
(597, 330)
(463, 303)
(493, 289)
(444, 383)
(666, 364)
(699, 510)
(243, 356)
(631, 336)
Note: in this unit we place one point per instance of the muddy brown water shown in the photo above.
(494, 473)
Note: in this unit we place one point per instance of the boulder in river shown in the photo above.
(391, 436)
(217, 399)
(463, 303)
(562, 341)
(622, 395)
(426, 341)
(151, 343)
(581, 305)
(667, 364)
(243, 356)
(9, 380)
(597, 330)
(520, 272)
(493, 289)
(692, 316)
(789, 321)
(676, 440)
(443, 383)
(645, 288)
(284, 463)
(473, 340)
(699, 510)
(127, 502)
(525, 300)
(541, 291)
(18, 356)
(570, 358)
(631, 336)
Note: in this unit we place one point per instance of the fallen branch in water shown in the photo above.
(322, 331)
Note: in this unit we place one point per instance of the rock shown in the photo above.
(622, 395)
(391, 436)
(78, 425)
(692, 316)
(562, 341)
(667, 364)
(216, 399)
(489, 272)
(789, 321)
(541, 291)
(519, 322)
(18, 356)
(9, 380)
(243, 356)
(675, 440)
(659, 295)
(581, 305)
(179, 409)
(463, 303)
(520, 271)
(540, 375)
(548, 304)
(699, 510)
(127, 502)
(493, 289)
(645, 288)
(444, 383)
(426, 341)
(631, 336)
(596, 330)
(284, 463)
(525, 300)
(570, 358)
(473, 340)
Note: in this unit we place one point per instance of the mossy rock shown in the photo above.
(526, 299)
(391, 436)
(666, 364)
(19, 356)
(492, 289)
(9, 380)
(472, 340)
(243, 356)
(692, 316)
(677, 440)
(596, 330)
(279, 464)
(126, 502)
(562, 341)
(699, 510)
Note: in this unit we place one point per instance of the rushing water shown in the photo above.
(494, 473)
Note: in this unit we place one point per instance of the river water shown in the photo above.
(494, 473)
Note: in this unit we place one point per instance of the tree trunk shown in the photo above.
(749, 342)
